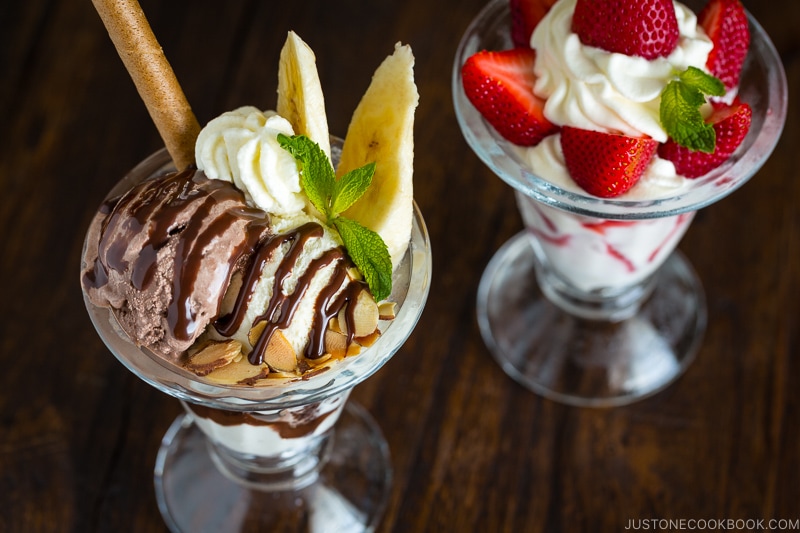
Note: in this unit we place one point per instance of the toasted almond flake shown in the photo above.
(281, 375)
(279, 354)
(386, 310)
(354, 274)
(319, 360)
(368, 340)
(238, 373)
(335, 343)
(365, 315)
(353, 349)
(334, 325)
(213, 355)
(255, 332)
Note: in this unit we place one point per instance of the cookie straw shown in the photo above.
(153, 76)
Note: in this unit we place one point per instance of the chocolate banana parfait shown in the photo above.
(263, 281)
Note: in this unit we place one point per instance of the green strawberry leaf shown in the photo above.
(316, 172)
(680, 109)
(332, 197)
(351, 186)
(370, 255)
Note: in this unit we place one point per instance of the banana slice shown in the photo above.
(381, 130)
(300, 99)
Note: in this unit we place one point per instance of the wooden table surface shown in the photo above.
(471, 450)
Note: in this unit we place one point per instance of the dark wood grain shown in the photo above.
(472, 451)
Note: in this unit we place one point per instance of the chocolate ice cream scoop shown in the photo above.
(163, 254)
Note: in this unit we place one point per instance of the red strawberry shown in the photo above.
(725, 22)
(500, 86)
(731, 124)
(525, 16)
(605, 164)
(646, 28)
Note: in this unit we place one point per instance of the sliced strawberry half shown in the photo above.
(725, 22)
(525, 16)
(605, 164)
(646, 28)
(500, 86)
(731, 124)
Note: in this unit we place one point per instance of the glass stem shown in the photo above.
(291, 470)
(610, 305)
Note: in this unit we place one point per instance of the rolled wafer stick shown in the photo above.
(152, 74)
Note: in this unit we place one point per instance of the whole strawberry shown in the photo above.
(525, 16)
(605, 164)
(731, 124)
(646, 28)
(725, 22)
(500, 86)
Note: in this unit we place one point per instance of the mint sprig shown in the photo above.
(680, 109)
(332, 197)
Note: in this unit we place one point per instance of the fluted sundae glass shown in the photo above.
(591, 304)
(290, 455)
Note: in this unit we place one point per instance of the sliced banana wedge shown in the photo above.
(300, 99)
(382, 130)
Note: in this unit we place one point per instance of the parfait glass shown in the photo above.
(293, 455)
(590, 304)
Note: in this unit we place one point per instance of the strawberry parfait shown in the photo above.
(614, 109)
(614, 121)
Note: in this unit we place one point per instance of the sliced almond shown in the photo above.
(213, 355)
(365, 315)
(255, 332)
(368, 340)
(353, 349)
(335, 343)
(354, 273)
(240, 372)
(281, 375)
(279, 354)
(386, 310)
(334, 325)
(319, 360)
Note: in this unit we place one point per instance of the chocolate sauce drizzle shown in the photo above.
(160, 203)
(281, 307)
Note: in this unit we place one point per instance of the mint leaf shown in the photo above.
(316, 172)
(702, 81)
(680, 109)
(370, 255)
(332, 197)
(681, 118)
(351, 186)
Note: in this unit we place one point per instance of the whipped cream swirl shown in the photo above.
(593, 89)
(241, 146)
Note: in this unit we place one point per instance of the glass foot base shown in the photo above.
(350, 494)
(588, 362)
